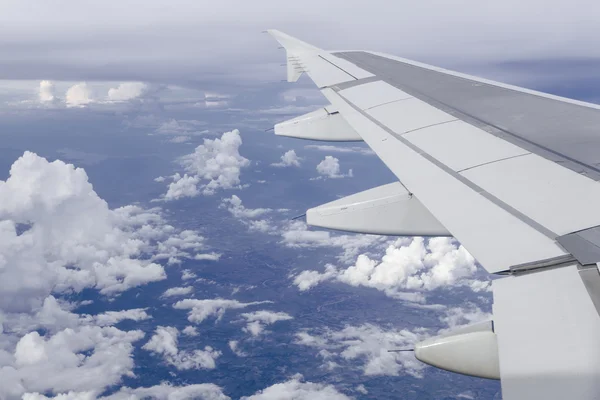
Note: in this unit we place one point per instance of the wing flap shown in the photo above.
(384, 210)
(321, 124)
(548, 330)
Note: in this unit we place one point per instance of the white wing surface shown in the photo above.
(511, 173)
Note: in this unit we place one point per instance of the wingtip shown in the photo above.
(289, 42)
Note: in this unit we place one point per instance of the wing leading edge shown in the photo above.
(509, 173)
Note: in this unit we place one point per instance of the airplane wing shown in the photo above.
(509, 172)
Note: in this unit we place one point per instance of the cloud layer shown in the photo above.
(58, 237)
(76, 42)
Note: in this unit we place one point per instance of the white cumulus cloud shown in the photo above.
(237, 209)
(178, 291)
(234, 346)
(257, 320)
(216, 162)
(420, 265)
(368, 344)
(126, 91)
(67, 225)
(185, 186)
(466, 314)
(58, 363)
(46, 92)
(296, 389)
(203, 309)
(330, 168)
(187, 274)
(208, 257)
(288, 159)
(248, 216)
(190, 331)
(113, 317)
(164, 342)
(78, 95)
(57, 236)
(165, 391)
(296, 234)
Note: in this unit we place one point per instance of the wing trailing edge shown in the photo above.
(322, 124)
(384, 210)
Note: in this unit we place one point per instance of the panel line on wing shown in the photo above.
(494, 161)
(337, 66)
(511, 210)
(358, 82)
(429, 126)
(389, 102)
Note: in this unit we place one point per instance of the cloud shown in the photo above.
(418, 265)
(235, 348)
(236, 208)
(295, 234)
(298, 390)
(208, 256)
(164, 342)
(330, 168)
(57, 236)
(362, 389)
(126, 91)
(71, 239)
(177, 291)
(91, 49)
(185, 186)
(187, 274)
(368, 344)
(164, 391)
(288, 159)
(257, 320)
(114, 317)
(190, 331)
(248, 216)
(180, 139)
(78, 95)
(464, 315)
(306, 280)
(87, 358)
(339, 149)
(203, 309)
(215, 100)
(217, 161)
(180, 127)
(46, 93)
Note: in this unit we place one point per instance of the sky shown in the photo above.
(179, 94)
(200, 43)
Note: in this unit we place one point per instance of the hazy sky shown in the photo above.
(188, 41)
